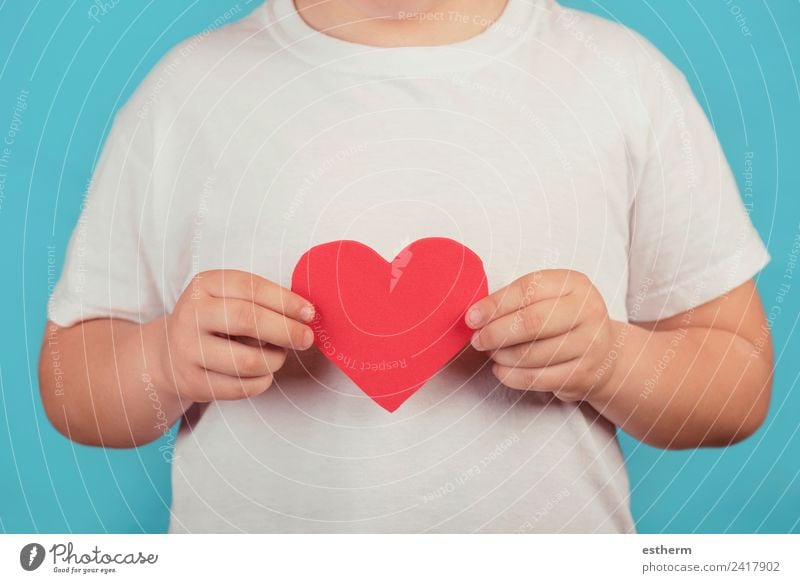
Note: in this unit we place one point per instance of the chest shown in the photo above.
(526, 179)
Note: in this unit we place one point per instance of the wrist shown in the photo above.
(610, 375)
(156, 364)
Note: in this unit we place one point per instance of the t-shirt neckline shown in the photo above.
(285, 24)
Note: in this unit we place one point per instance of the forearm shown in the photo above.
(101, 382)
(684, 388)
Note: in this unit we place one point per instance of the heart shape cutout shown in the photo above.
(390, 326)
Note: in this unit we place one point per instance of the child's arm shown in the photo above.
(702, 377)
(99, 393)
(116, 383)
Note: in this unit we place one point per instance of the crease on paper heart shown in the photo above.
(399, 264)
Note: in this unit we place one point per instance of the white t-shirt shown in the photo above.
(552, 139)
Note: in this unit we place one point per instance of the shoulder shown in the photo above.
(610, 61)
(212, 59)
(604, 49)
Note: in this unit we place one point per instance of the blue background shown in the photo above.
(78, 70)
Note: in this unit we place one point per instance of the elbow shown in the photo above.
(756, 414)
(51, 391)
(58, 415)
(52, 384)
(59, 420)
(737, 427)
(726, 428)
(75, 427)
(753, 420)
(747, 406)
(757, 394)
(87, 432)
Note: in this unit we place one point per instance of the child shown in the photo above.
(563, 149)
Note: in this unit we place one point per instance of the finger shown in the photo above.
(541, 353)
(238, 359)
(235, 317)
(534, 287)
(222, 387)
(232, 283)
(247, 340)
(547, 379)
(541, 320)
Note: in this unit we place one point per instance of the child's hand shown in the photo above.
(547, 331)
(229, 333)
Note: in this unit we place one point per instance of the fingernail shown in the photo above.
(307, 313)
(476, 341)
(474, 317)
(308, 339)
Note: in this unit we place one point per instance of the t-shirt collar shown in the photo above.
(516, 23)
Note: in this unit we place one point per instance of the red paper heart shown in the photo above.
(390, 326)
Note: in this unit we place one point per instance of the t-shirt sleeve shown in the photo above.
(691, 236)
(107, 269)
